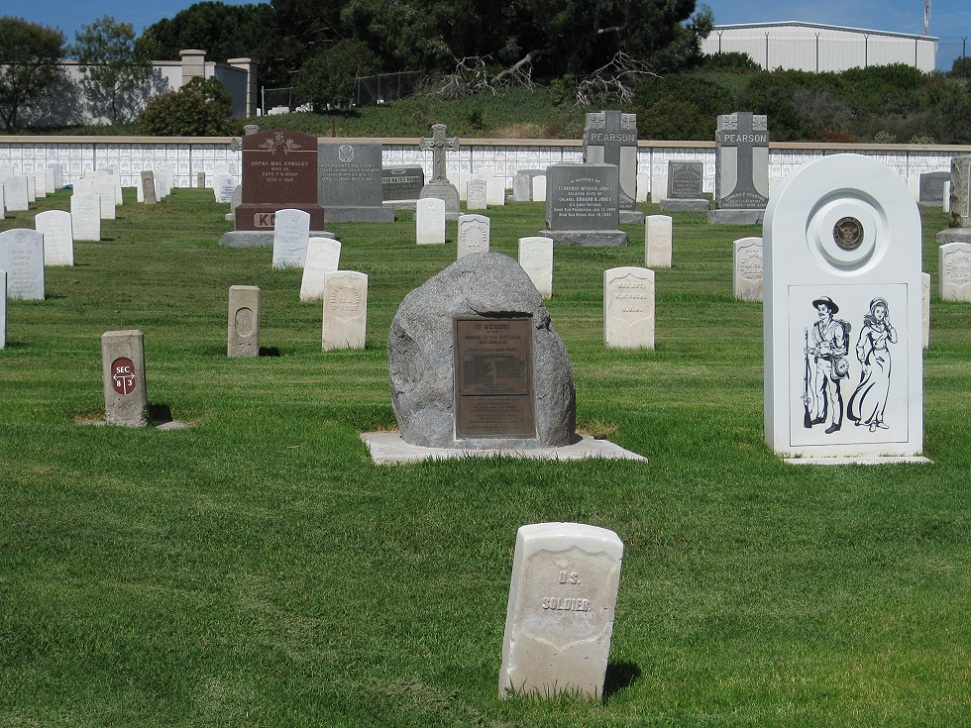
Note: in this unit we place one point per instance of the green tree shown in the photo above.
(112, 65)
(202, 107)
(328, 78)
(29, 65)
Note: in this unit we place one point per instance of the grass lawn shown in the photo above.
(258, 570)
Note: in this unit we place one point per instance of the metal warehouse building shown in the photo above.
(810, 47)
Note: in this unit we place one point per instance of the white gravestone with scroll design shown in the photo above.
(843, 339)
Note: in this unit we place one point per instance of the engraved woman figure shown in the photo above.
(869, 401)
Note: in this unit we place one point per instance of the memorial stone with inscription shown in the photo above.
(925, 307)
(56, 227)
(741, 168)
(560, 613)
(402, 183)
(610, 137)
(477, 198)
(147, 188)
(747, 277)
(473, 235)
(291, 234)
(86, 216)
(581, 207)
(430, 221)
(22, 257)
(345, 310)
(629, 308)
(323, 257)
(15, 193)
(955, 271)
(349, 182)
(536, 258)
(476, 363)
(243, 339)
(685, 187)
(960, 215)
(931, 190)
(658, 241)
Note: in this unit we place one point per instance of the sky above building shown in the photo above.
(950, 20)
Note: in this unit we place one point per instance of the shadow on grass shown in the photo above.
(269, 351)
(159, 414)
(620, 675)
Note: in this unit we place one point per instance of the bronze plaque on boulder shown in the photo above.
(494, 378)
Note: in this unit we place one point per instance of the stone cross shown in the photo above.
(438, 144)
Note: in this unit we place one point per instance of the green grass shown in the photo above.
(258, 570)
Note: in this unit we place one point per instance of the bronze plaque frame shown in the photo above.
(494, 395)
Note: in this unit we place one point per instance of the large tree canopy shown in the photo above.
(29, 64)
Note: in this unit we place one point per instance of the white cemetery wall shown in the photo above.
(747, 276)
(430, 221)
(345, 310)
(629, 308)
(323, 257)
(56, 227)
(536, 258)
(86, 216)
(955, 271)
(22, 257)
(473, 235)
(291, 233)
(842, 301)
(658, 241)
(560, 613)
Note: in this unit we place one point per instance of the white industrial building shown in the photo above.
(793, 45)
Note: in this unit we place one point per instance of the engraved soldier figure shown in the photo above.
(826, 366)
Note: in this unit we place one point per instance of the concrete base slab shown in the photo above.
(735, 217)
(401, 204)
(358, 214)
(682, 205)
(954, 235)
(387, 448)
(916, 459)
(631, 217)
(251, 239)
(589, 238)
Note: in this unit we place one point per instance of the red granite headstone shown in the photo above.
(279, 172)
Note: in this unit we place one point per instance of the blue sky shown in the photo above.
(950, 19)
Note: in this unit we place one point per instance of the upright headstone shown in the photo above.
(539, 188)
(223, 185)
(349, 182)
(477, 197)
(439, 186)
(291, 233)
(581, 206)
(147, 188)
(476, 363)
(925, 307)
(685, 187)
(323, 257)
(842, 252)
(522, 187)
(560, 614)
(40, 183)
(747, 277)
(402, 183)
(58, 171)
(31, 188)
(629, 308)
(658, 241)
(536, 258)
(473, 235)
(932, 187)
(279, 170)
(741, 168)
(86, 216)
(955, 271)
(495, 186)
(3, 206)
(3, 309)
(22, 256)
(243, 338)
(15, 193)
(430, 221)
(56, 227)
(105, 189)
(610, 137)
(123, 377)
(345, 310)
(960, 216)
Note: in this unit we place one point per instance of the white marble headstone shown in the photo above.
(925, 307)
(955, 271)
(560, 613)
(291, 234)
(747, 275)
(539, 188)
(2, 205)
(105, 189)
(323, 257)
(473, 235)
(843, 342)
(430, 221)
(477, 195)
(15, 191)
(536, 258)
(55, 226)
(658, 241)
(40, 183)
(345, 310)
(3, 309)
(629, 308)
(86, 216)
(223, 185)
(22, 257)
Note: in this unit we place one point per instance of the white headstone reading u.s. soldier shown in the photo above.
(843, 340)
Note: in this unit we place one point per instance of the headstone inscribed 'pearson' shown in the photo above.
(742, 161)
(123, 378)
(629, 308)
(536, 258)
(323, 257)
(22, 256)
(291, 233)
(610, 137)
(345, 310)
(747, 278)
(955, 271)
(843, 354)
(243, 339)
(56, 227)
(86, 216)
(560, 613)
(430, 221)
(473, 235)
(658, 241)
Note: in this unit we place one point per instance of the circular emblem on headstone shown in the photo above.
(123, 375)
(346, 153)
(848, 233)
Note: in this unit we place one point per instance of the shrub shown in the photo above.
(202, 107)
(730, 61)
(327, 79)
